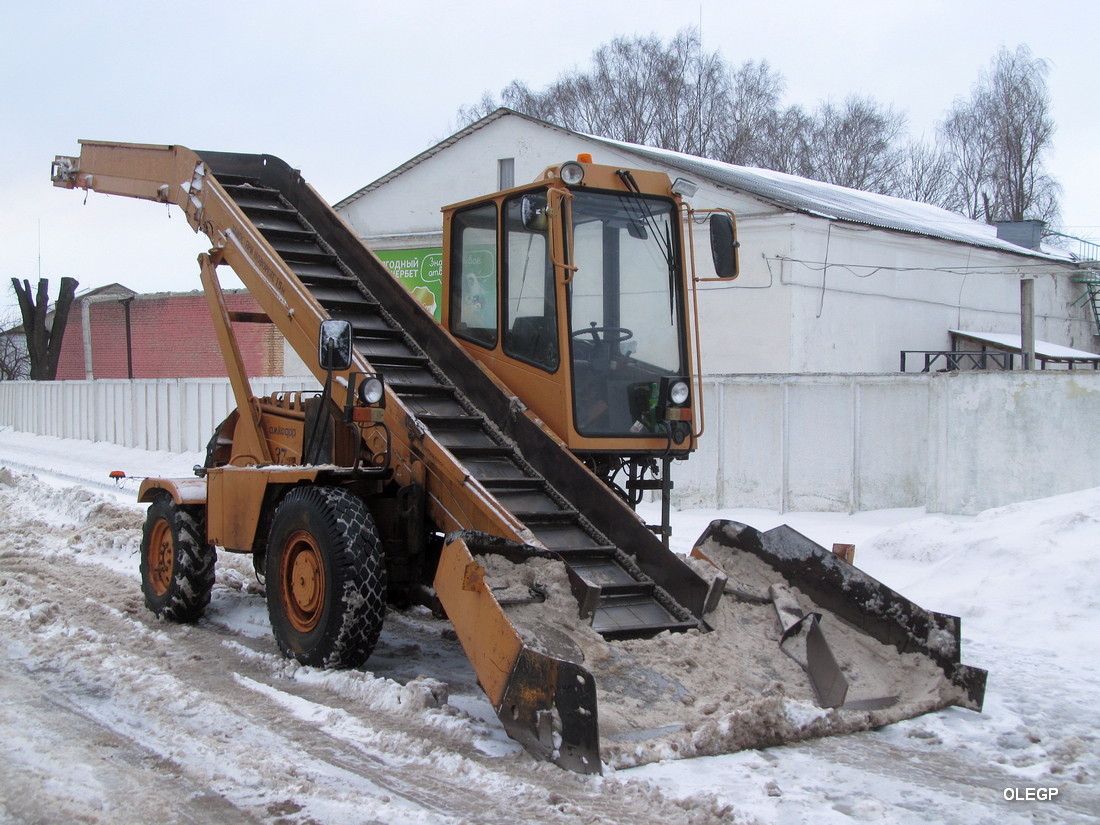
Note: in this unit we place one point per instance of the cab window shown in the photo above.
(474, 275)
(530, 301)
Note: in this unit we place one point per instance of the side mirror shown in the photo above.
(723, 245)
(532, 212)
(334, 345)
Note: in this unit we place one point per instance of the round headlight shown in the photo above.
(678, 393)
(571, 172)
(371, 391)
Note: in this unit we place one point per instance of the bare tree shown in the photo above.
(753, 114)
(854, 145)
(476, 111)
(784, 141)
(14, 362)
(961, 135)
(926, 174)
(642, 90)
(44, 344)
(987, 162)
(1023, 136)
(697, 109)
(999, 139)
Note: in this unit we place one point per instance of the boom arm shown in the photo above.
(175, 174)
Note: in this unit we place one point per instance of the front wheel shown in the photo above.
(326, 579)
(177, 564)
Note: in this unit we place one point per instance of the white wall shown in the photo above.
(883, 292)
(952, 442)
(409, 205)
(171, 414)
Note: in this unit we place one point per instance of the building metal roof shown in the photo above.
(1011, 342)
(827, 200)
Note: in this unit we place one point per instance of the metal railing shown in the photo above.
(960, 360)
(1091, 298)
(1085, 251)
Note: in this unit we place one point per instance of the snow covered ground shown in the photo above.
(109, 716)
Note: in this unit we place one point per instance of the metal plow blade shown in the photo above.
(856, 601)
(545, 702)
(861, 657)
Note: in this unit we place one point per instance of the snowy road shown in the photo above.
(110, 716)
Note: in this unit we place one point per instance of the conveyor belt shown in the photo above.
(626, 600)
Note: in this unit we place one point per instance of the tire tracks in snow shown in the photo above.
(104, 771)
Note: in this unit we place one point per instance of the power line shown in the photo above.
(820, 266)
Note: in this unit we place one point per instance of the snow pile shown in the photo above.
(1026, 577)
(1030, 570)
(684, 695)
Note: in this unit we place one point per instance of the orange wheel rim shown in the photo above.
(303, 578)
(160, 557)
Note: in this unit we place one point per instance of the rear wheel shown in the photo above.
(326, 579)
(177, 565)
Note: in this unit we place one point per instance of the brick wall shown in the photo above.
(172, 337)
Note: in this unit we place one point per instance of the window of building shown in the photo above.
(506, 173)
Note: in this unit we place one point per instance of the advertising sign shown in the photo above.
(421, 271)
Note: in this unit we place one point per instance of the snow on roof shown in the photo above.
(109, 290)
(1011, 341)
(828, 200)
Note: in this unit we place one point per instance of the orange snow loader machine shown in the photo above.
(490, 466)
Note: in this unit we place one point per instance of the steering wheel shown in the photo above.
(620, 334)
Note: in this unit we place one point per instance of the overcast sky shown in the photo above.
(346, 91)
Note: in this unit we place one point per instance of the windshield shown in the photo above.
(624, 309)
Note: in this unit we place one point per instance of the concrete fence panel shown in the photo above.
(952, 442)
(170, 414)
(891, 444)
(1012, 437)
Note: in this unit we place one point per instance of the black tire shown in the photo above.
(326, 580)
(177, 565)
(219, 449)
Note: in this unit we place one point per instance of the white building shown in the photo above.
(833, 280)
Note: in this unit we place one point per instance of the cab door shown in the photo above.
(504, 299)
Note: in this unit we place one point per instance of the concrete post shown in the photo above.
(1027, 322)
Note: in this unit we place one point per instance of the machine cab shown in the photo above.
(573, 292)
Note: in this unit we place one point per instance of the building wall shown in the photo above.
(405, 211)
(172, 336)
(859, 296)
(814, 295)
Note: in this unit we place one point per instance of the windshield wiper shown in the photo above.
(662, 239)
